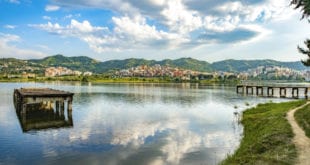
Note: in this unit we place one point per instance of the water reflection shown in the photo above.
(126, 124)
(38, 117)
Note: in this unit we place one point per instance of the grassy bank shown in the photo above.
(267, 136)
(303, 118)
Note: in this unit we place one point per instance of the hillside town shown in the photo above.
(261, 72)
(63, 71)
(274, 72)
(29, 70)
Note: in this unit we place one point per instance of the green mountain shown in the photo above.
(244, 65)
(122, 64)
(83, 63)
(188, 63)
(184, 63)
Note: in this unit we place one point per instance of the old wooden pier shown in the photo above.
(274, 90)
(46, 97)
(40, 108)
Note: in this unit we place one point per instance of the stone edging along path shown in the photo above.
(301, 141)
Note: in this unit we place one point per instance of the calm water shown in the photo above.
(129, 124)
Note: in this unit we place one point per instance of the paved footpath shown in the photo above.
(301, 141)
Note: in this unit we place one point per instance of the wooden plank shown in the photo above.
(43, 92)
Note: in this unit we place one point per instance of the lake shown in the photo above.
(129, 124)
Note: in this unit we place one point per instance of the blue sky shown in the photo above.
(209, 30)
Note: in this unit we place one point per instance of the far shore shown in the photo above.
(93, 79)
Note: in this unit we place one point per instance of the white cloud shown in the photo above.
(139, 32)
(231, 7)
(74, 29)
(14, 1)
(51, 8)
(173, 24)
(127, 34)
(70, 16)
(43, 47)
(179, 19)
(10, 26)
(46, 17)
(10, 50)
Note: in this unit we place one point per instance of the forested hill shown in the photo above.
(84, 63)
(81, 63)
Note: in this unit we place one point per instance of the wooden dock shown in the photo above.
(42, 108)
(47, 99)
(274, 90)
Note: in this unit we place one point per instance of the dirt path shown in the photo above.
(301, 141)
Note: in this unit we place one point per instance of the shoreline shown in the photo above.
(267, 136)
(120, 80)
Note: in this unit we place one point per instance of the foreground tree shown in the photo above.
(305, 52)
(304, 6)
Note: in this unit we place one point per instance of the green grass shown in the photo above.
(303, 118)
(267, 136)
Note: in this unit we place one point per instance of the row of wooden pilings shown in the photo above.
(270, 90)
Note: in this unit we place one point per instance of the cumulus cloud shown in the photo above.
(8, 49)
(51, 8)
(9, 26)
(172, 24)
(126, 34)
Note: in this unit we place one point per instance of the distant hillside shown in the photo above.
(122, 64)
(244, 65)
(83, 63)
(188, 63)
(185, 63)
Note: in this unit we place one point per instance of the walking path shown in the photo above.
(301, 141)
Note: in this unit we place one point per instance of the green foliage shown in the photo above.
(304, 5)
(188, 63)
(305, 52)
(267, 136)
(303, 118)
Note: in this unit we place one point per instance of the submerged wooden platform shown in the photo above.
(41, 108)
(42, 92)
(44, 96)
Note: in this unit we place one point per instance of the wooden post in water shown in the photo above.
(270, 94)
(258, 88)
(284, 93)
(247, 89)
(293, 92)
(237, 89)
(69, 105)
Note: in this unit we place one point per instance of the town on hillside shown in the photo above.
(261, 72)
(32, 70)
